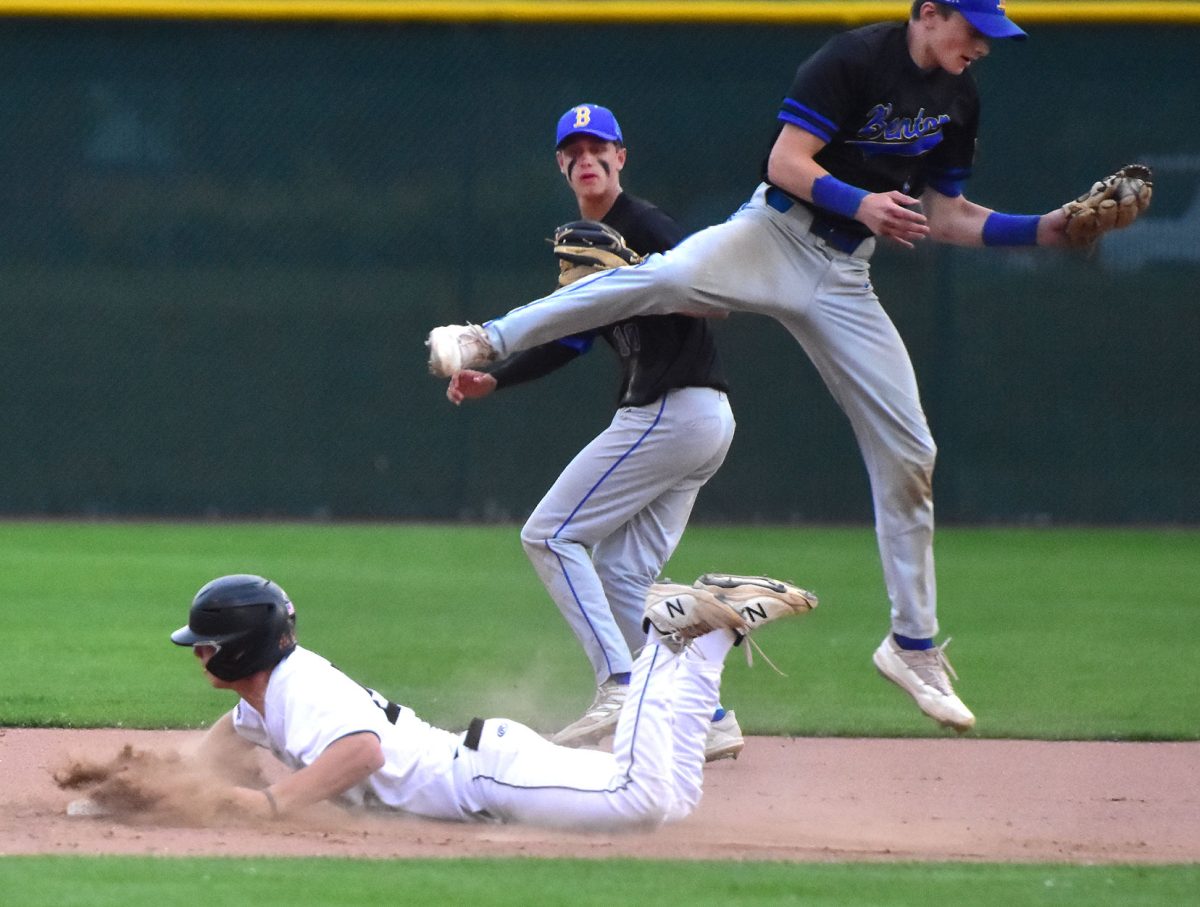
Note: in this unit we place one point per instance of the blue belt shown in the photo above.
(838, 237)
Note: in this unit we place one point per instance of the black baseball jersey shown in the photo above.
(887, 123)
(656, 352)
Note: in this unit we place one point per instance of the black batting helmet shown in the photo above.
(248, 618)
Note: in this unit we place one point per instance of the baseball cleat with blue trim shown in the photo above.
(725, 740)
(924, 674)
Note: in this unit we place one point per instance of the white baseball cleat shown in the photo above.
(758, 599)
(725, 740)
(681, 613)
(924, 675)
(599, 720)
(455, 347)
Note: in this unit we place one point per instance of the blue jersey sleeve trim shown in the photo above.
(806, 126)
(950, 182)
(948, 188)
(581, 343)
(809, 114)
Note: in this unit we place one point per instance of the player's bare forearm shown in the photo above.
(791, 166)
(954, 219)
(960, 222)
(343, 764)
(220, 742)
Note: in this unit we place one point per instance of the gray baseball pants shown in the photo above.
(767, 262)
(612, 519)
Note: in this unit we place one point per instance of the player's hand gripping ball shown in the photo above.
(584, 247)
(1111, 204)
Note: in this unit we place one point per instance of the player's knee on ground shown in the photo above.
(645, 815)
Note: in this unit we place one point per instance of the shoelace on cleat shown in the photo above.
(757, 648)
(932, 666)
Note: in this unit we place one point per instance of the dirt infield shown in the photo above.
(784, 799)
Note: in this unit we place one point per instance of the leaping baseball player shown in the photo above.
(876, 138)
(346, 743)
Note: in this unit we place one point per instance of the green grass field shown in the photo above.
(112, 882)
(1079, 634)
(1059, 634)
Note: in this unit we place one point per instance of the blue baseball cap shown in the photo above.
(988, 16)
(589, 119)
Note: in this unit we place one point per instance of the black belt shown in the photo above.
(838, 237)
(474, 732)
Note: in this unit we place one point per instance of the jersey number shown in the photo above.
(390, 709)
(627, 339)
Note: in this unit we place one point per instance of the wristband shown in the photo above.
(271, 801)
(1010, 229)
(832, 194)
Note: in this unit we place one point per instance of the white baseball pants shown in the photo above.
(653, 775)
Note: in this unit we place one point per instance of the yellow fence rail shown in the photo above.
(602, 12)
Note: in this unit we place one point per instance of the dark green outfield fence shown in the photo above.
(222, 245)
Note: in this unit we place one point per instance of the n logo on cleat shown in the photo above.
(753, 613)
